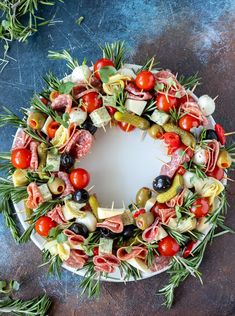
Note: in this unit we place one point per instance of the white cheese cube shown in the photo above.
(77, 116)
(109, 212)
(135, 106)
(46, 124)
(159, 117)
(100, 117)
(53, 161)
(105, 246)
(46, 194)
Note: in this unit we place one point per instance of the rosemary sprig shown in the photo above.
(52, 81)
(148, 64)
(64, 55)
(180, 238)
(176, 114)
(54, 263)
(127, 271)
(91, 281)
(8, 287)
(190, 82)
(5, 163)
(115, 52)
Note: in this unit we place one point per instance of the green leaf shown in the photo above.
(159, 87)
(105, 72)
(61, 238)
(80, 20)
(66, 87)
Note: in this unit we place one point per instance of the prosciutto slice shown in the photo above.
(136, 94)
(213, 154)
(106, 263)
(159, 263)
(178, 200)
(57, 215)
(22, 140)
(114, 224)
(178, 158)
(34, 196)
(68, 186)
(61, 102)
(34, 155)
(77, 259)
(74, 239)
(150, 233)
(165, 214)
(168, 78)
(136, 252)
(193, 110)
(80, 144)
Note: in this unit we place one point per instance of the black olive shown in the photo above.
(79, 229)
(129, 231)
(162, 183)
(89, 126)
(107, 233)
(210, 134)
(66, 161)
(81, 196)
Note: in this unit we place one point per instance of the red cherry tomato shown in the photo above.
(172, 139)
(217, 173)
(91, 102)
(52, 128)
(79, 178)
(111, 110)
(43, 225)
(102, 63)
(168, 246)
(20, 158)
(220, 133)
(184, 99)
(181, 170)
(165, 103)
(145, 80)
(200, 207)
(187, 122)
(188, 248)
(96, 251)
(126, 127)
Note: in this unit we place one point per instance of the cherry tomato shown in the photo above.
(171, 150)
(217, 173)
(220, 133)
(200, 207)
(111, 110)
(126, 127)
(181, 170)
(43, 225)
(168, 246)
(91, 102)
(185, 98)
(187, 122)
(165, 103)
(188, 248)
(20, 158)
(145, 80)
(172, 139)
(102, 63)
(52, 128)
(96, 251)
(139, 212)
(79, 178)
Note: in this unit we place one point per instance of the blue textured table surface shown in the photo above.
(185, 36)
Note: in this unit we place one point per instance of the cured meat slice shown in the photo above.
(80, 144)
(150, 233)
(68, 186)
(77, 259)
(61, 102)
(177, 200)
(57, 215)
(192, 108)
(169, 79)
(82, 93)
(213, 154)
(178, 158)
(114, 224)
(159, 263)
(124, 254)
(106, 263)
(74, 239)
(22, 140)
(34, 155)
(165, 214)
(136, 94)
(71, 132)
(34, 196)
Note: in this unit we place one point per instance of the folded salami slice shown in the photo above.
(61, 102)
(22, 140)
(136, 94)
(178, 200)
(77, 259)
(80, 144)
(74, 239)
(34, 196)
(193, 109)
(68, 186)
(71, 132)
(170, 80)
(82, 93)
(165, 214)
(139, 252)
(150, 233)
(213, 154)
(34, 155)
(159, 263)
(57, 215)
(106, 263)
(114, 224)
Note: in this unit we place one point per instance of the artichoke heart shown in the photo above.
(115, 84)
(61, 136)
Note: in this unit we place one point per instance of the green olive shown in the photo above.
(143, 221)
(19, 178)
(142, 196)
(155, 131)
(56, 186)
(36, 120)
(224, 160)
(42, 155)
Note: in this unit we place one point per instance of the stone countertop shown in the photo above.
(186, 37)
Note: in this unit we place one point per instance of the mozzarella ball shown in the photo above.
(188, 179)
(81, 74)
(200, 156)
(77, 116)
(89, 220)
(206, 104)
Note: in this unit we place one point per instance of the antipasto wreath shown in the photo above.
(170, 224)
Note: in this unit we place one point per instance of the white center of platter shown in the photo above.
(121, 163)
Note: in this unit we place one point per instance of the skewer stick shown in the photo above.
(226, 178)
(143, 135)
(112, 206)
(215, 98)
(91, 188)
(230, 133)
(104, 128)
